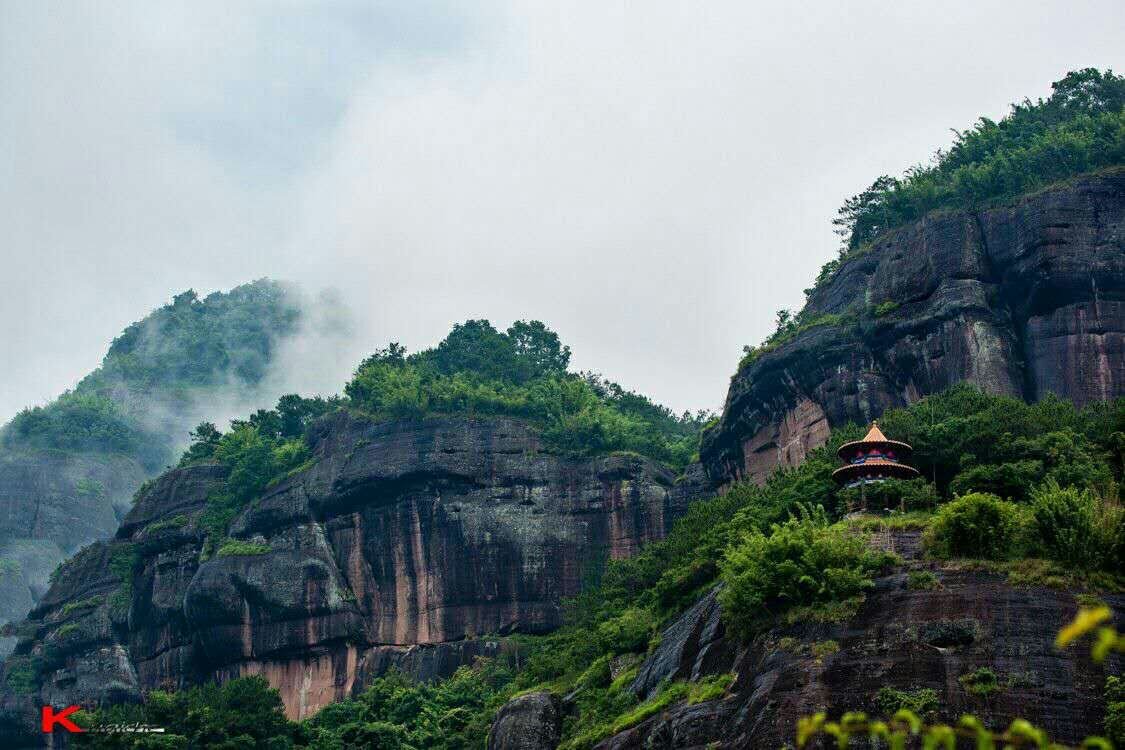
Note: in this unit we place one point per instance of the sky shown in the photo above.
(651, 179)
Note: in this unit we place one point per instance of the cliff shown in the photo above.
(69, 469)
(51, 504)
(1024, 299)
(417, 544)
(903, 639)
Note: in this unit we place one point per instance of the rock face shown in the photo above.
(907, 640)
(1023, 300)
(529, 722)
(414, 544)
(52, 503)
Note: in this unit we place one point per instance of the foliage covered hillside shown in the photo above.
(136, 401)
(522, 373)
(475, 370)
(1079, 128)
(1032, 489)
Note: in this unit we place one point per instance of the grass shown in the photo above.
(921, 580)
(239, 548)
(175, 522)
(915, 520)
(65, 630)
(88, 603)
(826, 612)
(1035, 571)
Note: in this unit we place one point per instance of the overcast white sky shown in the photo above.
(652, 179)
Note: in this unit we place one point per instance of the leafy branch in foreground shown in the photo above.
(1020, 733)
(905, 724)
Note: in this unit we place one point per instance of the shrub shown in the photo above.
(921, 580)
(821, 649)
(1076, 527)
(950, 633)
(1008, 480)
(237, 547)
(803, 561)
(982, 682)
(1064, 521)
(1115, 710)
(976, 525)
(23, 674)
(884, 308)
(88, 603)
(923, 701)
(628, 632)
(175, 522)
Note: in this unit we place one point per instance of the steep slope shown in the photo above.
(413, 544)
(1025, 299)
(68, 470)
(916, 642)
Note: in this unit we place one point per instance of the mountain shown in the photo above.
(475, 547)
(69, 470)
(1025, 299)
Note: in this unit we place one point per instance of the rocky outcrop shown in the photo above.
(903, 639)
(528, 722)
(51, 504)
(1025, 300)
(410, 544)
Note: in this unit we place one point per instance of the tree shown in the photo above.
(539, 347)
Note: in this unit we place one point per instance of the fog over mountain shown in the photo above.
(653, 181)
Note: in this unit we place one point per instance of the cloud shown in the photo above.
(652, 179)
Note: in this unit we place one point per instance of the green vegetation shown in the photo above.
(779, 548)
(921, 580)
(23, 673)
(981, 682)
(1115, 710)
(475, 370)
(522, 373)
(257, 451)
(804, 561)
(159, 366)
(9, 567)
(1079, 128)
(237, 547)
(977, 525)
(87, 603)
(392, 714)
(923, 701)
(123, 562)
(175, 522)
(1077, 527)
(894, 494)
(884, 308)
(787, 327)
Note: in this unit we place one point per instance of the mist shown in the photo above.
(651, 180)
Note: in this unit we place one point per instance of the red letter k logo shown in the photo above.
(50, 718)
